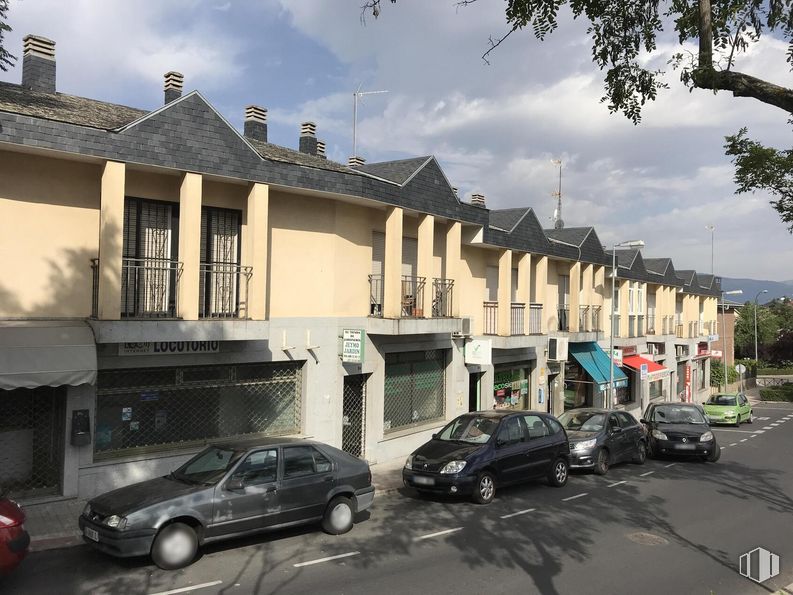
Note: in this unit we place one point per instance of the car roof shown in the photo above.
(503, 412)
(590, 410)
(249, 443)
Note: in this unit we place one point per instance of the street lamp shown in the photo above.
(626, 244)
(724, 332)
(755, 321)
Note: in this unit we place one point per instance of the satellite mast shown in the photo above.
(356, 96)
(557, 214)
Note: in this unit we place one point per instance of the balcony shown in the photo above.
(564, 317)
(535, 319)
(490, 326)
(517, 318)
(668, 325)
(149, 287)
(693, 329)
(615, 325)
(583, 319)
(376, 296)
(442, 294)
(632, 325)
(413, 296)
(651, 324)
(597, 326)
(223, 290)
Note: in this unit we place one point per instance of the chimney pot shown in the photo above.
(478, 200)
(256, 123)
(174, 81)
(454, 189)
(308, 138)
(355, 161)
(321, 149)
(38, 63)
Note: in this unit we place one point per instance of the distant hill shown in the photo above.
(750, 287)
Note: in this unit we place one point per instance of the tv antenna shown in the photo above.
(557, 214)
(356, 96)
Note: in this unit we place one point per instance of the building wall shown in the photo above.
(472, 285)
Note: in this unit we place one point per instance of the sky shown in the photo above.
(494, 128)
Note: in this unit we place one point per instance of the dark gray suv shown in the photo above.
(228, 490)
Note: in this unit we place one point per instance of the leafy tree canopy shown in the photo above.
(6, 59)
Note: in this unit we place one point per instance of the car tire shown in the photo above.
(175, 546)
(339, 516)
(485, 488)
(641, 453)
(738, 421)
(651, 454)
(602, 462)
(715, 455)
(560, 470)
(751, 417)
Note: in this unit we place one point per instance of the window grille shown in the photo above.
(415, 388)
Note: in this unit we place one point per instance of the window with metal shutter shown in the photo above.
(514, 289)
(410, 251)
(220, 259)
(378, 252)
(491, 284)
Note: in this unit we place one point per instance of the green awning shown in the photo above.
(596, 363)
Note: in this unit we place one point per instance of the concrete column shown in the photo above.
(453, 258)
(424, 260)
(504, 292)
(111, 227)
(189, 244)
(392, 268)
(524, 287)
(575, 296)
(588, 293)
(256, 246)
(623, 289)
(541, 291)
(599, 295)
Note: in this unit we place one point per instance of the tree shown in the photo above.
(6, 59)
(767, 326)
(621, 31)
(781, 351)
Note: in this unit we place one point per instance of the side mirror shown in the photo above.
(616, 430)
(642, 421)
(235, 484)
(434, 436)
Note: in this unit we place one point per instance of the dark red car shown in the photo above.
(14, 540)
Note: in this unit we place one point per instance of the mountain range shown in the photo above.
(751, 287)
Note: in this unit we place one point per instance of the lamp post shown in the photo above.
(628, 244)
(724, 332)
(755, 321)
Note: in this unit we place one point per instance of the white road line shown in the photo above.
(438, 534)
(328, 559)
(756, 432)
(509, 516)
(581, 495)
(670, 465)
(739, 431)
(616, 483)
(646, 474)
(744, 440)
(768, 428)
(186, 589)
(762, 418)
(753, 436)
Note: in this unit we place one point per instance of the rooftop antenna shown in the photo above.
(557, 214)
(356, 96)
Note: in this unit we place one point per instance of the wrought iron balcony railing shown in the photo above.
(149, 287)
(583, 319)
(376, 296)
(442, 295)
(413, 296)
(564, 317)
(223, 290)
(596, 323)
(535, 319)
(517, 318)
(490, 326)
(651, 324)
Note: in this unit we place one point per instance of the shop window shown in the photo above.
(578, 387)
(624, 394)
(511, 388)
(415, 388)
(656, 389)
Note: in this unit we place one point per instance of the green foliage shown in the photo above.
(775, 372)
(717, 373)
(777, 393)
(6, 59)
(767, 326)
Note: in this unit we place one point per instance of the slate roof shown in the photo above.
(577, 243)
(285, 155)
(398, 171)
(657, 265)
(569, 235)
(507, 219)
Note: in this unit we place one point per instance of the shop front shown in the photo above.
(587, 377)
(646, 379)
(511, 387)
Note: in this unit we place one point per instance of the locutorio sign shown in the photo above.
(168, 347)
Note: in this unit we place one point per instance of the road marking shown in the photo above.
(768, 428)
(438, 534)
(507, 516)
(762, 418)
(328, 559)
(734, 444)
(753, 436)
(186, 589)
(646, 474)
(581, 495)
(739, 431)
(744, 440)
(756, 432)
(670, 465)
(616, 483)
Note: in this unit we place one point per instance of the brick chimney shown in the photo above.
(321, 149)
(38, 64)
(308, 138)
(355, 161)
(174, 81)
(256, 123)
(478, 200)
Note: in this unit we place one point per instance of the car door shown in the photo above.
(307, 478)
(247, 499)
(633, 433)
(511, 450)
(615, 438)
(543, 445)
(744, 408)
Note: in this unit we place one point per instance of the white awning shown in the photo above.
(46, 353)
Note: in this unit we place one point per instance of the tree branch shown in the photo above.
(495, 44)
(744, 85)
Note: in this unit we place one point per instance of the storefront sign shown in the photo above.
(643, 370)
(716, 353)
(479, 352)
(616, 357)
(712, 338)
(353, 342)
(168, 347)
(688, 383)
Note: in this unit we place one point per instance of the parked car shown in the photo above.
(679, 429)
(14, 540)
(601, 438)
(478, 452)
(228, 490)
(732, 408)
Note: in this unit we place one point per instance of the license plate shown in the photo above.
(686, 446)
(91, 534)
(424, 481)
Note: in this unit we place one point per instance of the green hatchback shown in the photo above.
(732, 408)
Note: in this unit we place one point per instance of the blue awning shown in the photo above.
(596, 363)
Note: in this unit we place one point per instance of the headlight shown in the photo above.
(659, 435)
(115, 521)
(585, 444)
(409, 462)
(87, 510)
(729, 414)
(706, 437)
(453, 467)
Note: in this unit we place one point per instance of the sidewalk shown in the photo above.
(53, 524)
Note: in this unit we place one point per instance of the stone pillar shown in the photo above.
(256, 246)
(189, 244)
(524, 288)
(392, 268)
(426, 249)
(575, 297)
(453, 243)
(111, 228)
(588, 293)
(541, 291)
(504, 292)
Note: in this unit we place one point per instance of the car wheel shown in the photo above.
(651, 454)
(751, 417)
(641, 454)
(557, 477)
(338, 516)
(485, 489)
(175, 546)
(602, 462)
(738, 421)
(715, 455)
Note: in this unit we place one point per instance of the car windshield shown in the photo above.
(469, 428)
(207, 467)
(583, 421)
(722, 400)
(678, 414)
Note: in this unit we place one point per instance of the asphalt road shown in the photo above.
(668, 526)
